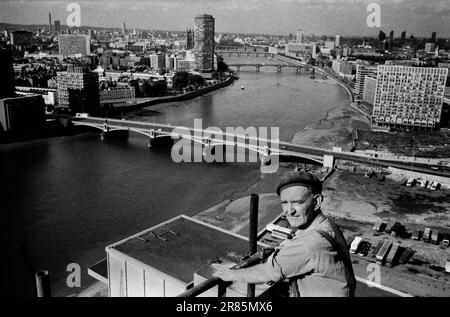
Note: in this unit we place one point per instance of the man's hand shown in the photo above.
(223, 272)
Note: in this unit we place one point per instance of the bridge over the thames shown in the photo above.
(278, 66)
(244, 53)
(268, 149)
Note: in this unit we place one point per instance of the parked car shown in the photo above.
(422, 182)
(417, 234)
(380, 226)
(446, 240)
(435, 237)
(369, 173)
(435, 186)
(427, 235)
(411, 182)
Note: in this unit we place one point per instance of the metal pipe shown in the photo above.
(43, 284)
(253, 233)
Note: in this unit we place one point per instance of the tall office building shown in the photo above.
(49, 22)
(409, 96)
(170, 63)
(433, 37)
(391, 39)
(361, 72)
(57, 26)
(158, 62)
(189, 39)
(71, 44)
(300, 36)
(78, 89)
(337, 41)
(123, 28)
(403, 37)
(204, 43)
(7, 86)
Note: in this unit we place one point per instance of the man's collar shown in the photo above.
(320, 217)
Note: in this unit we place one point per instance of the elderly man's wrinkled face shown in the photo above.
(300, 205)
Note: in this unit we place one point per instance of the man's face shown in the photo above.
(299, 205)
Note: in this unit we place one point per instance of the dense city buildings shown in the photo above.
(74, 44)
(409, 96)
(78, 89)
(204, 43)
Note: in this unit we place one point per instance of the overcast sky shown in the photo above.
(345, 17)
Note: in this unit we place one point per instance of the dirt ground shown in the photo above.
(335, 130)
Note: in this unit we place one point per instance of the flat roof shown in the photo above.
(182, 246)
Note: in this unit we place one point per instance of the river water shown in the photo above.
(65, 198)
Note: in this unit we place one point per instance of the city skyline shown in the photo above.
(279, 17)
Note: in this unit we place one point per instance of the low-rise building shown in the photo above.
(117, 93)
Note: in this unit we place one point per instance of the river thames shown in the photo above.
(67, 198)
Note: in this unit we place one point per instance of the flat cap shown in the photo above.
(294, 178)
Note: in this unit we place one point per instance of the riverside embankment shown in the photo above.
(120, 110)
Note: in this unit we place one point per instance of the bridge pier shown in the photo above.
(160, 140)
(114, 134)
(328, 161)
(269, 164)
